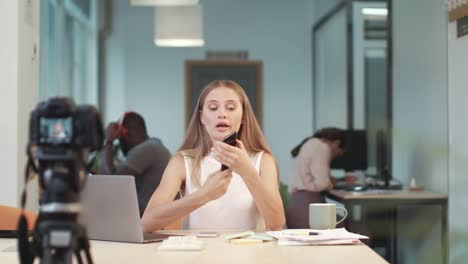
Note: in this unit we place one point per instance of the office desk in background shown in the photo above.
(218, 250)
(396, 220)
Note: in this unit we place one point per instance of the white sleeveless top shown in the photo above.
(235, 210)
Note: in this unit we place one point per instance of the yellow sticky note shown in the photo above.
(240, 235)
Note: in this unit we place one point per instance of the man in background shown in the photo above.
(146, 157)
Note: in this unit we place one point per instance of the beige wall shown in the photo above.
(19, 24)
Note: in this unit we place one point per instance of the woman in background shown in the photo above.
(245, 196)
(310, 173)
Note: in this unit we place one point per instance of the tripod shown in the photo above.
(56, 241)
(62, 135)
(57, 234)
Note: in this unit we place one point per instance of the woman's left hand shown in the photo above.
(236, 158)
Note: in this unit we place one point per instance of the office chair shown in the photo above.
(9, 217)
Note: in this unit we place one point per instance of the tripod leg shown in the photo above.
(78, 257)
(84, 245)
(88, 256)
(68, 255)
(46, 256)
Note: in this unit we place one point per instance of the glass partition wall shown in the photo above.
(69, 50)
(351, 88)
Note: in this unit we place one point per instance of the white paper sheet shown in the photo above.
(316, 237)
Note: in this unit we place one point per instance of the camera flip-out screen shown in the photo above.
(56, 130)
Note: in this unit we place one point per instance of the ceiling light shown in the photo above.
(375, 11)
(178, 26)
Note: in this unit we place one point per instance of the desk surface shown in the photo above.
(217, 250)
(390, 218)
(386, 194)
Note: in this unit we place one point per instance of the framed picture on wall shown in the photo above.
(248, 74)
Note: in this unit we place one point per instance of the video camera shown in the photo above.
(63, 134)
(57, 123)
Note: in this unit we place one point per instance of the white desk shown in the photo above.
(217, 250)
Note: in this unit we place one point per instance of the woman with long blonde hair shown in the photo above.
(245, 196)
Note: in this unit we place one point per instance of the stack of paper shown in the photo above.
(301, 237)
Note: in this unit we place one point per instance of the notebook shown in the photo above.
(110, 210)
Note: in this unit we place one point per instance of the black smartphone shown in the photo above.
(230, 140)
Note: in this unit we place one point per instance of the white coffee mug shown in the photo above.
(323, 215)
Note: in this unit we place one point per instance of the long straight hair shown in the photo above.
(197, 143)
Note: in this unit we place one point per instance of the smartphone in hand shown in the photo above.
(230, 140)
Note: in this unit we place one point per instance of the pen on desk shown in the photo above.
(301, 233)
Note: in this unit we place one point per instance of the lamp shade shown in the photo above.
(178, 26)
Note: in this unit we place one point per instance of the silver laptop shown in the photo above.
(110, 210)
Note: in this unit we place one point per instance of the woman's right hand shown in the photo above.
(216, 184)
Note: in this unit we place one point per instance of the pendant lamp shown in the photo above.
(178, 26)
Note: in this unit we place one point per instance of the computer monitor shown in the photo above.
(355, 155)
